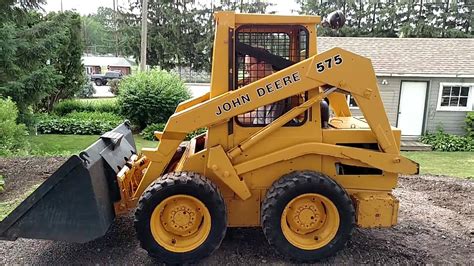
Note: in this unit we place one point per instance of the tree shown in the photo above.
(96, 37)
(392, 18)
(99, 30)
(67, 61)
(180, 33)
(43, 62)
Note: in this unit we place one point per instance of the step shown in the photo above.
(412, 145)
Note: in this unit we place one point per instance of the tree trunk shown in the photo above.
(373, 19)
(444, 26)
(359, 19)
(421, 10)
(468, 4)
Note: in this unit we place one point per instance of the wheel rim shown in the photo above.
(310, 221)
(180, 223)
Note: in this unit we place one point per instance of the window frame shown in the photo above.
(261, 27)
(470, 97)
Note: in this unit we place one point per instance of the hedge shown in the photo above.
(79, 123)
(73, 105)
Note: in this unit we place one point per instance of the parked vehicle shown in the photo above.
(102, 79)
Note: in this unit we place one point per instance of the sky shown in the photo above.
(84, 7)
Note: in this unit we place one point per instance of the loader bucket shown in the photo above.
(75, 204)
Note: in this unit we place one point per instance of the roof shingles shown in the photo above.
(410, 56)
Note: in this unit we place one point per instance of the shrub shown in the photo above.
(114, 86)
(12, 135)
(86, 91)
(150, 97)
(442, 141)
(74, 105)
(148, 132)
(470, 124)
(79, 123)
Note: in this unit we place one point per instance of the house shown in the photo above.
(424, 83)
(100, 64)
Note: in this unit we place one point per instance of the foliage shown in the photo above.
(40, 58)
(73, 105)
(148, 132)
(150, 97)
(114, 86)
(80, 123)
(195, 133)
(180, 33)
(87, 90)
(442, 141)
(99, 32)
(13, 9)
(422, 19)
(68, 62)
(12, 135)
(470, 124)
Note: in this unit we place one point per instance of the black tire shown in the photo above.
(187, 183)
(291, 186)
(98, 82)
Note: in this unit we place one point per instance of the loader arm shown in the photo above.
(336, 67)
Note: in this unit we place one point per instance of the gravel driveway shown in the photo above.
(436, 225)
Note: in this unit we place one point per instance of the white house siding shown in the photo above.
(451, 121)
(390, 93)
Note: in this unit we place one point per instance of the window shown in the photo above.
(351, 102)
(455, 97)
(289, 43)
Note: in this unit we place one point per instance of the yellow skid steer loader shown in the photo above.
(282, 151)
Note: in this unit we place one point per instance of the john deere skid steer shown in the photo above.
(282, 151)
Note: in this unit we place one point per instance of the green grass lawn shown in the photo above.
(459, 164)
(52, 144)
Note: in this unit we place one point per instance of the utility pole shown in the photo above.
(144, 35)
(115, 26)
(62, 6)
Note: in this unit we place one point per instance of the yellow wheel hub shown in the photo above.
(180, 223)
(310, 221)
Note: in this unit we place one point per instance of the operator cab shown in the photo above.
(261, 50)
